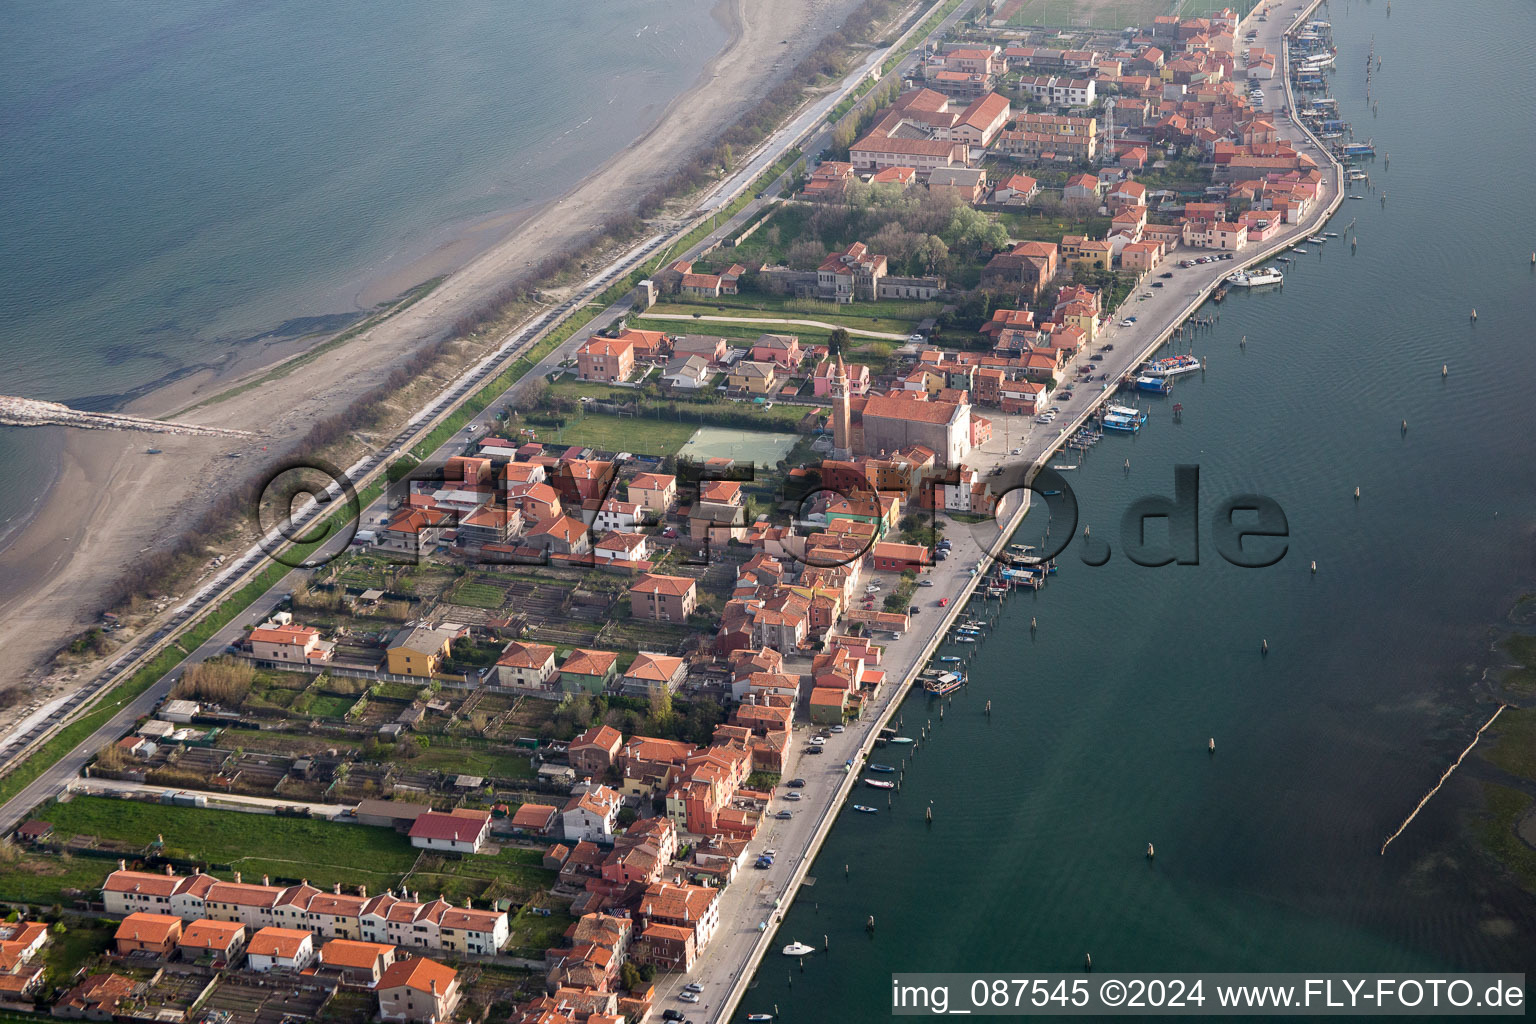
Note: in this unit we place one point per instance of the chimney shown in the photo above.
(415, 896)
(469, 904)
(266, 879)
(362, 891)
(336, 889)
(237, 878)
(168, 870)
(122, 865)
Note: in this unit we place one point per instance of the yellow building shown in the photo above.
(754, 378)
(418, 651)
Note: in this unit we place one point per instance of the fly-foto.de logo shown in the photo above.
(1248, 530)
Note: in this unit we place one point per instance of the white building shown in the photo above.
(591, 814)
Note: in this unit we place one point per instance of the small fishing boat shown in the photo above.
(949, 659)
(798, 949)
(154, 451)
(1283, 259)
(865, 810)
(903, 739)
(1062, 467)
(879, 784)
(1357, 197)
(1156, 385)
(883, 769)
(965, 639)
(1050, 494)
(1297, 248)
(1330, 234)
(759, 1018)
(1317, 239)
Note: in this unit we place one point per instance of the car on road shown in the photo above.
(1016, 451)
(796, 783)
(693, 986)
(784, 815)
(943, 602)
(808, 750)
(925, 583)
(670, 1014)
(1109, 348)
(913, 610)
(1131, 319)
(797, 796)
(1166, 274)
(1097, 357)
(1127, 322)
(817, 741)
(837, 728)
(1157, 284)
(688, 997)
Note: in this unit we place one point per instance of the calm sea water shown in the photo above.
(1267, 854)
(177, 178)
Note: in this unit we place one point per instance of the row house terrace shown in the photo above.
(435, 924)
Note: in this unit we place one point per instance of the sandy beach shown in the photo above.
(110, 502)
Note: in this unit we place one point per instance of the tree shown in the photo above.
(836, 341)
(629, 976)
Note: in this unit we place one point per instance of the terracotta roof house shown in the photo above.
(652, 674)
(587, 670)
(459, 831)
(418, 990)
(280, 949)
(592, 752)
(139, 932)
(534, 819)
(526, 664)
(220, 940)
(98, 997)
(358, 963)
(667, 598)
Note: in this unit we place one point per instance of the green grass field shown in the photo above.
(468, 761)
(326, 705)
(45, 880)
(478, 595)
(643, 435)
(255, 844)
(514, 873)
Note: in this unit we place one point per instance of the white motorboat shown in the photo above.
(798, 949)
(1254, 278)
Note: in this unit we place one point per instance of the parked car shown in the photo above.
(784, 815)
(808, 750)
(1157, 284)
(1166, 274)
(925, 583)
(837, 728)
(797, 796)
(796, 783)
(693, 986)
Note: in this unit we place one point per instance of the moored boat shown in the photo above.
(1172, 366)
(883, 769)
(1156, 385)
(798, 949)
(1254, 278)
(864, 810)
(879, 784)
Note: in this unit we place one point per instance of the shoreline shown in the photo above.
(51, 581)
